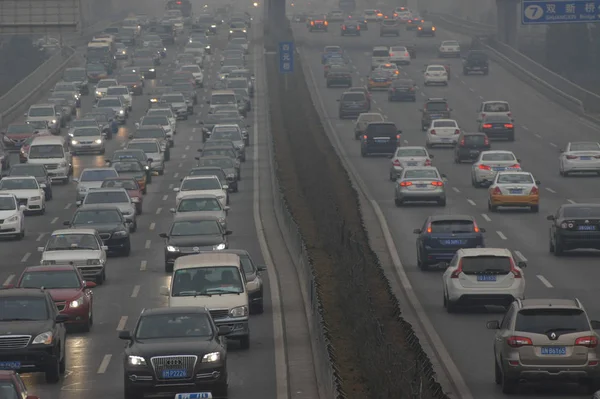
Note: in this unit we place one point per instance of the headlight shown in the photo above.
(124, 52)
(240, 311)
(76, 303)
(48, 262)
(121, 112)
(62, 164)
(53, 121)
(171, 248)
(207, 46)
(211, 357)
(98, 141)
(35, 198)
(135, 199)
(244, 30)
(76, 96)
(164, 49)
(44, 338)
(120, 233)
(12, 219)
(136, 361)
(213, 26)
(151, 69)
(74, 142)
(93, 262)
(219, 247)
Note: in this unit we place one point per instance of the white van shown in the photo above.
(52, 152)
(380, 55)
(217, 282)
(222, 97)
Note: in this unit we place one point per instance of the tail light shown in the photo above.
(475, 227)
(437, 183)
(513, 269)
(396, 163)
(433, 28)
(407, 54)
(508, 125)
(509, 114)
(409, 21)
(457, 131)
(486, 141)
(357, 27)
(365, 137)
(433, 132)
(344, 27)
(420, 28)
(391, 54)
(428, 162)
(497, 191)
(312, 23)
(398, 138)
(484, 167)
(406, 184)
(487, 125)
(462, 142)
(326, 23)
(515, 166)
(458, 270)
(534, 191)
(588, 342)
(429, 228)
(572, 157)
(516, 342)
(411, 89)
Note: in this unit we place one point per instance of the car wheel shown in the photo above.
(259, 308)
(492, 208)
(550, 246)
(442, 202)
(398, 202)
(52, 372)
(245, 342)
(161, 172)
(168, 267)
(127, 250)
(145, 190)
(535, 208)
(134, 226)
(558, 248)
(450, 306)
(138, 210)
(130, 393)
(497, 372)
(221, 391)
(87, 325)
(509, 385)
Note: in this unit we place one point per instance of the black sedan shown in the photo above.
(175, 349)
(498, 126)
(402, 89)
(575, 226)
(350, 28)
(192, 233)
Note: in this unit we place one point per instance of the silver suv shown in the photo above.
(389, 27)
(546, 339)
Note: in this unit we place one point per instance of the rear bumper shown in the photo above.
(579, 239)
(499, 133)
(515, 200)
(473, 296)
(570, 373)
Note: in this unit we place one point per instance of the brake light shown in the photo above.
(484, 167)
(486, 141)
(515, 166)
(312, 23)
(475, 227)
(514, 270)
(358, 27)
(428, 162)
(589, 342)
(433, 28)
(420, 28)
(458, 270)
(406, 54)
(398, 137)
(429, 228)
(572, 157)
(497, 191)
(406, 184)
(391, 54)
(534, 191)
(487, 125)
(433, 132)
(457, 131)
(365, 137)
(437, 183)
(396, 163)
(344, 27)
(462, 142)
(326, 23)
(508, 125)
(516, 342)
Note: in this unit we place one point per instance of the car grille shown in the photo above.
(86, 142)
(8, 342)
(22, 201)
(51, 165)
(105, 236)
(219, 314)
(61, 306)
(162, 363)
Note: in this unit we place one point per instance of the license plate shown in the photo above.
(411, 164)
(381, 140)
(10, 365)
(498, 169)
(197, 395)
(475, 68)
(474, 152)
(554, 350)
(585, 158)
(446, 140)
(174, 374)
(421, 185)
(486, 278)
(452, 242)
(516, 191)
(586, 228)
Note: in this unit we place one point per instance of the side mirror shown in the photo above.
(228, 232)
(172, 210)
(61, 318)
(493, 325)
(75, 179)
(163, 235)
(176, 189)
(417, 231)
(104, 247)
(200, 150)
(550, 217)
(227, 208)
(522, 264)
(25, 114)
(431, 156)
(78, 203)
(66, 223)
(561, 151)
(224, 330)
(137, 125)
(164, 291)
(40, 249)
(22, 208)
(125, 334)
(595, 324)
(482, 229)
(90, 284)
(538, 182)
(261, 268)
(226, 187)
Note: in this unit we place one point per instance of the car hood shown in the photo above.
(101, 227)
(64, 294)
(179, 105)
(155, 156)
(6, 214)
(224, 301)
(25, 327)
(64, 257)
(18, 136)
(24, 193)
(172, 347)
(41, 118)
(195, 241)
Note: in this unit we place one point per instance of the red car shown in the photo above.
(73, 296)
(12, 386)
(132, 187)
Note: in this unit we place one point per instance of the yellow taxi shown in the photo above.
(514, 189)
(379, 79)
(391, 69)
(134, 169)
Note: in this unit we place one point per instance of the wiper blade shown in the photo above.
(193, 293)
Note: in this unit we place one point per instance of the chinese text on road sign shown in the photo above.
(559, 12)
(286, 57)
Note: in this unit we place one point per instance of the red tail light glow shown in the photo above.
(534, 191)
(398, 136)
(406, 184)
(588, 342)
(344, 27)
(437, 183)
(484, 167)
(515, 166)
(365, 137)
(407, 54)
(457, 131)
(396, 163)
(497, 191)
(429, 228)
(572, 157)
(475, 227)
(486, 141)
(516, 342)
(509, 114)
(458, 270)
(487, 125)
(514, 270)
(432, 131)
(462, 142)
(428, 162)
(508, 125)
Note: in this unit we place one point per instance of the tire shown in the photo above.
(62, 365)
(138, 210)
(558, 249)
(398, 202)
(87, 326)
(161, 172)
(129, 393)
(465, 72)
(259, 308)
(450, 306)
(221, 391)
(511, 137)
(492, 208)
(497, 373)
(245, 342)
(127, 250)
(145, 190)
(509, 385)
(52, 372)
(168, 268)
(535, 208)
(442, 202)
(550, 247)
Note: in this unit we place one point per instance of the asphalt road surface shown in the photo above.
(94, 360)
(542, 128)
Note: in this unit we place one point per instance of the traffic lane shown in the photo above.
(427, 285)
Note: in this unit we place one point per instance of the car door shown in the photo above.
(505, 328)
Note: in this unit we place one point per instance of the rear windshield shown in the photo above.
(381, 130)
(432, 106)
(544, 321)
(475, 139)
(514, 178)
(481, 264)
(496, 107)
(584, 147)
(411, 152)
(381, 53)
(421, 174)
(444, 124)
(452, 226)
(582, 212)
(353, 96)
(498, 157)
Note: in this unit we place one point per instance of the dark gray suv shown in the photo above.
(389, 27)
(352, 104)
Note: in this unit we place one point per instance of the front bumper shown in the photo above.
(9, 229)
(33, 358)
(421, 195)
(206, 376)
(32, 205)
(94, 147)
(514, 200)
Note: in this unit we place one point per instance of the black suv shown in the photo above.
(476, 61)
(381, 138)
(426, 29)
(37, 338)
(339, 75)
(352, 104)
(434, 108)
(469, 145)
(574, 226)
(36, 170)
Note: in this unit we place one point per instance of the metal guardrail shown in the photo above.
(561, 90)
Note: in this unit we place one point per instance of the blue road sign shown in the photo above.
(559, 12)
(286, 57)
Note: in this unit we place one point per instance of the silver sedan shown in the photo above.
(489, 163)
(420, 184)
(580, 157)
(408, 157)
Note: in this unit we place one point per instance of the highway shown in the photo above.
(94, 360)
(542, 129)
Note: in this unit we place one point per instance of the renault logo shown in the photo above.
(553, 336)
(196, 249)
(174, 362)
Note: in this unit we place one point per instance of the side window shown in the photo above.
(507, 318)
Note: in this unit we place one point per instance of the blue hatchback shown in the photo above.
(442, 235)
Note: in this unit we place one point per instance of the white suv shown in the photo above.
(483, 276)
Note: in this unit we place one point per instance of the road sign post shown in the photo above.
(286, 60)
(560, 12)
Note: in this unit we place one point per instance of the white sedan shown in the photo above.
(11, 213)
(580, 157)
(489, 163)
(196, 72)
(408, 157)
(202, 185)
(442, 132)
(28, 192)
(449, 48)
(435, 74)
(399, 55)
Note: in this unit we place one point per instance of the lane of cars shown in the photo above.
(470, 216)
(119, 205)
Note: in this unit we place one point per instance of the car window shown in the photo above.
(581, 212)
(420, 174)
(476, 139)
(97, 175)
(514, 178)
(97, 217)
(496, 107)
(411, 152)
(199, 205)
(452, 226)
(436, 106)
(444, 124)
(106, 197)
(200, 184)
(195, 227)
(485, 264)
(18, 184)
(169, 326)
(7, 203)
(584, 147)
(498, 156)
(16, 308)
(545, 321)
(353, 97)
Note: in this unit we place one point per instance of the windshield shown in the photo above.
(84, 123)
(498, 156)
(515, 178)
(581, 212)
(207, 281)
(41, 111)
(398, 49)
(420, 174)
(211, 152)
(109, 102)
(118, 91)
(15, 308)
(584, 147)
(237, 84)
(191, 68)
(381, 130)
(125, 167)
(38, 124)
(105, 84)
(436, 69)
(28, 170)
(82, 132)
(106, 197)
(223, 163)
(209, 172)
(97, 217)
(18, 184)
(183, 87)
(199, 205)
(7, 204)
(24, 128)
(452, 226)
(150, 133)
(370, 118)
(74, 75)
(444, 124)
(200, 184)
(196, 228)
(64, 87)
(160, 112)
(436, 106)
(223, 99)
(155, 120)
(97, 175)
(173, 98)
(151, 148)
(381, 53)
(121, 183)
(128, 79)
(64, 242)
(226, 134)
(354, 97)
(411, 152)
(483, 264)
(450, 43)
(163, 326)
(95, 68)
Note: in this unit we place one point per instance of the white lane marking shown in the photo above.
(184, 156)
(176, 175)
(171, 186)
(550, 190)
(571, 201)
(423, 94)
(24, 259)
(54, 220)
(191, 138)
(148, 243)
(553, 145)
(122, 322)
(470, 201)
(40, 237)
(471, 90)
(135, 292)
(539, 136)
(152, 226)
(165, 197)
(525, 127)
(68, 205)
(158, 211)
(501, 235)
(405, 141)
(463, 82)
(179, 166)
(545, 281)
(521, 256)
(104, 364)
(481, 97)
(143, 265)
(380, 110)
(456, 190)
(486, 217)
(194, 129)
(9, 279)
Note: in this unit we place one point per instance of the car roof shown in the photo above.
(173, 310)
(18, 177)
(28, 292)
(208, 259)
(435, 218)
(474, 252)
(98, 207)
(580, 205)
(199, 177)
(537, 303)
(199, 196)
